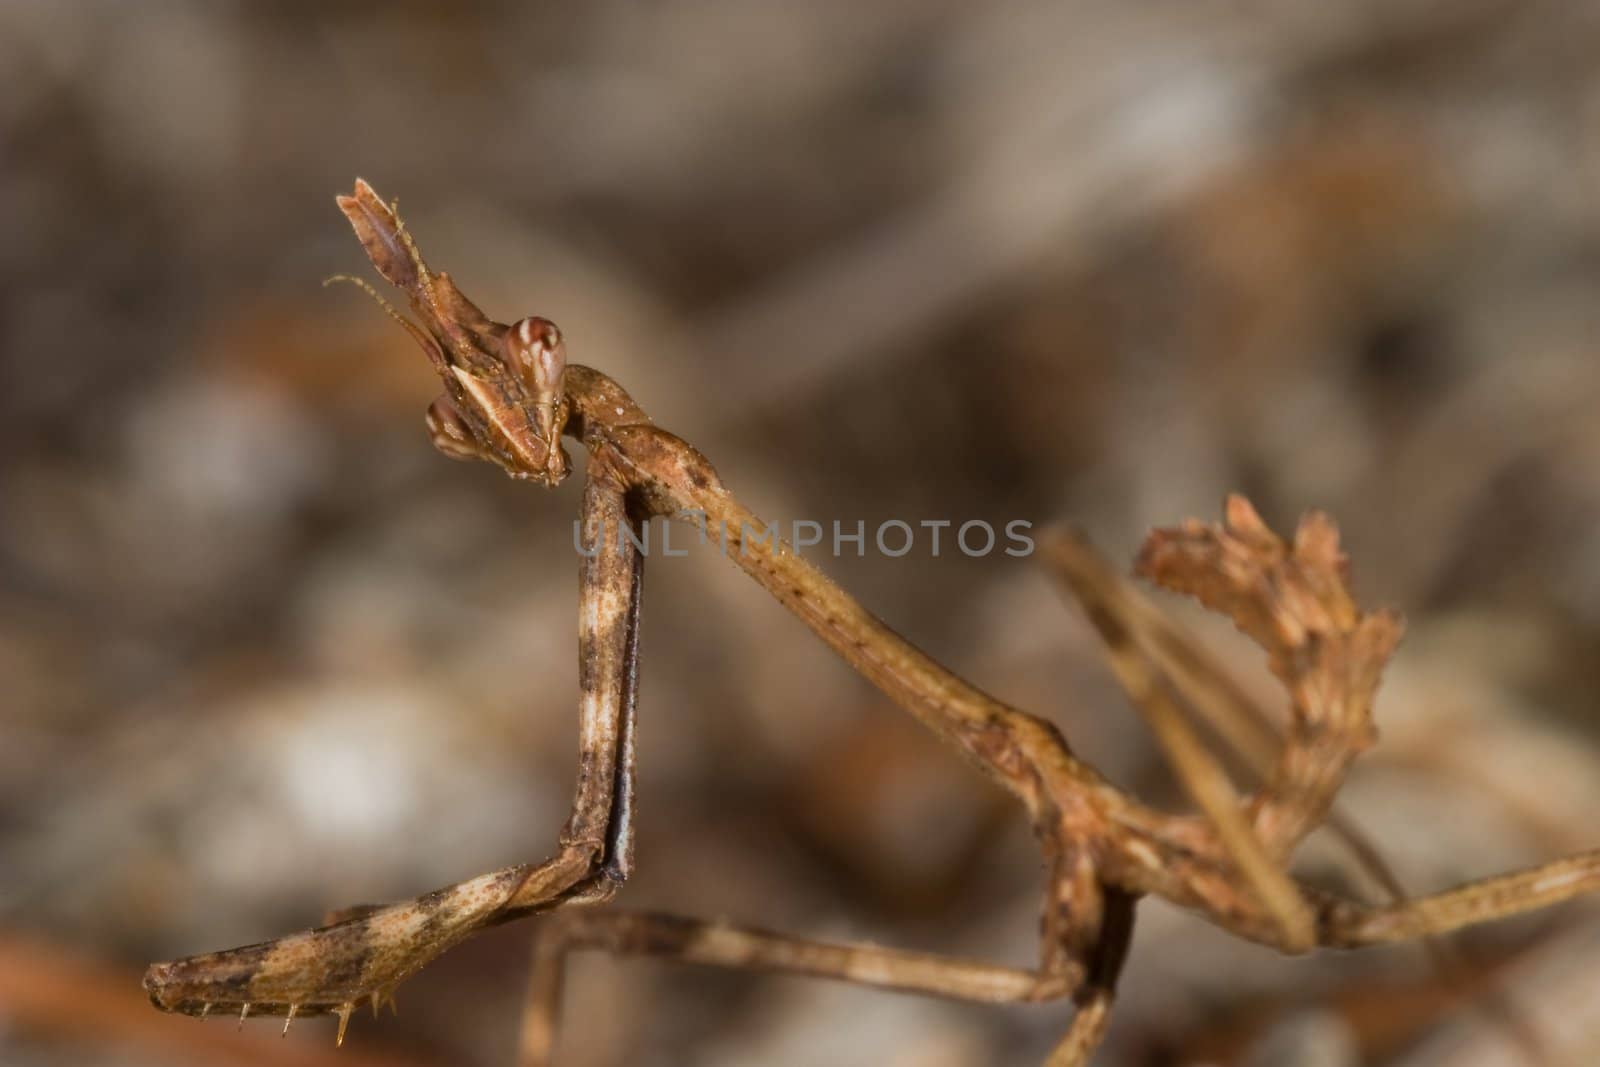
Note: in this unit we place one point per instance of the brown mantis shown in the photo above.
(510, 396)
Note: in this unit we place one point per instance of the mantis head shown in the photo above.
(504, 398)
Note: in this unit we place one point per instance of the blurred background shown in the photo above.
(264, 653)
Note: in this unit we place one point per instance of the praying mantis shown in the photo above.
(509, 398)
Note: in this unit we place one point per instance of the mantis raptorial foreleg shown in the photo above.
(600, 828)
(337, 967)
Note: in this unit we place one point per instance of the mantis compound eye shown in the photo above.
(535, 351)
(538, 357)
(449, 430)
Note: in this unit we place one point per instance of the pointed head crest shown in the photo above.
(504, 395)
